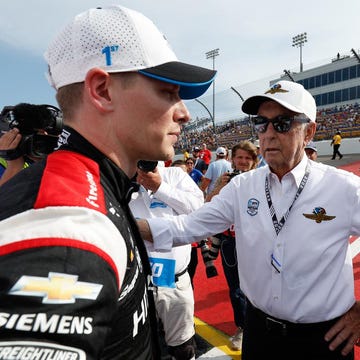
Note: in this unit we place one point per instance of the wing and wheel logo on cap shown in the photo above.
(276, 89)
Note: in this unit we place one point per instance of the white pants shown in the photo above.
(175, 308)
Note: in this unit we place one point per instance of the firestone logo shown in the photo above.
(93, 191)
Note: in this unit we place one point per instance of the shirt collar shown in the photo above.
(114, 178)
(296, 173)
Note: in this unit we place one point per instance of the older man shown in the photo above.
(74, 270)
(294, 259)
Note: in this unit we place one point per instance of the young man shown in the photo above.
(82, 287)
(292, 236)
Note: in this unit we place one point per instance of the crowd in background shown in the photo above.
(345, 118)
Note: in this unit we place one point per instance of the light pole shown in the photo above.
(205, 107)
(212, 54)
(249, 120)
(299, 41)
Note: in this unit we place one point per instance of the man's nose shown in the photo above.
(182, 114)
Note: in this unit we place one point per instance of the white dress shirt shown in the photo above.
(311, 276)
(177, 194)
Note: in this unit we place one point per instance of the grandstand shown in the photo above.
(335, 87)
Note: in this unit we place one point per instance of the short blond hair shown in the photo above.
(69, 97)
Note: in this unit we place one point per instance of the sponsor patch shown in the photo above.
(32, 350)
(47, 323)
(57, 288)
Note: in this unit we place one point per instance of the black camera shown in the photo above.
(147, 165)
(234, 173)
(39, 125)
(208, 259)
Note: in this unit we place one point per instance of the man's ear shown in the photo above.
(97, 87)
(310, 131)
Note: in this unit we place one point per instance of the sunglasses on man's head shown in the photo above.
(281, 123)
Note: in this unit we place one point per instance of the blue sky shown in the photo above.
(254, 39)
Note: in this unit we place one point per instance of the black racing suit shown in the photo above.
(73, 268)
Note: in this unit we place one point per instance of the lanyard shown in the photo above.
(279, 224)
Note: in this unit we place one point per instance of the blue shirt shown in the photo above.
(196, 175)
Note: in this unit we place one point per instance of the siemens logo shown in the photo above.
(55, 324)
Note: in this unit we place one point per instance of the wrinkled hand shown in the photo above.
(10, 140)
(346, 329)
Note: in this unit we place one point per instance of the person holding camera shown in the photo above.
(82, 288)
(244, 157)
(30, 133)
(167, 191)
(10, 140)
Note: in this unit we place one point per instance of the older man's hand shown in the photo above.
(347, 329)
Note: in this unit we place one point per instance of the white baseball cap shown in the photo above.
(220, 151)
(311, 145)
(118, 39)
(291, 95)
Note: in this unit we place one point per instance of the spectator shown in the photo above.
(186, 154)
(261, 161)
(336, 142)
(195, 174)
(311, 151)
(179, 163)
(199, 163)
(82, 288)
(205, 154)
(215, 169)
(164, 192)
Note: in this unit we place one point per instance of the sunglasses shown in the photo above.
(189, 163)
(281, 123)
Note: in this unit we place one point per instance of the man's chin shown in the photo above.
(170, 154)
(167, 155)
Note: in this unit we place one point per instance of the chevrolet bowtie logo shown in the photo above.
(57, 288)
(319, 215)
(276, 89)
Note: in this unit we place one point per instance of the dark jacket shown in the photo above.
(73, 268)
